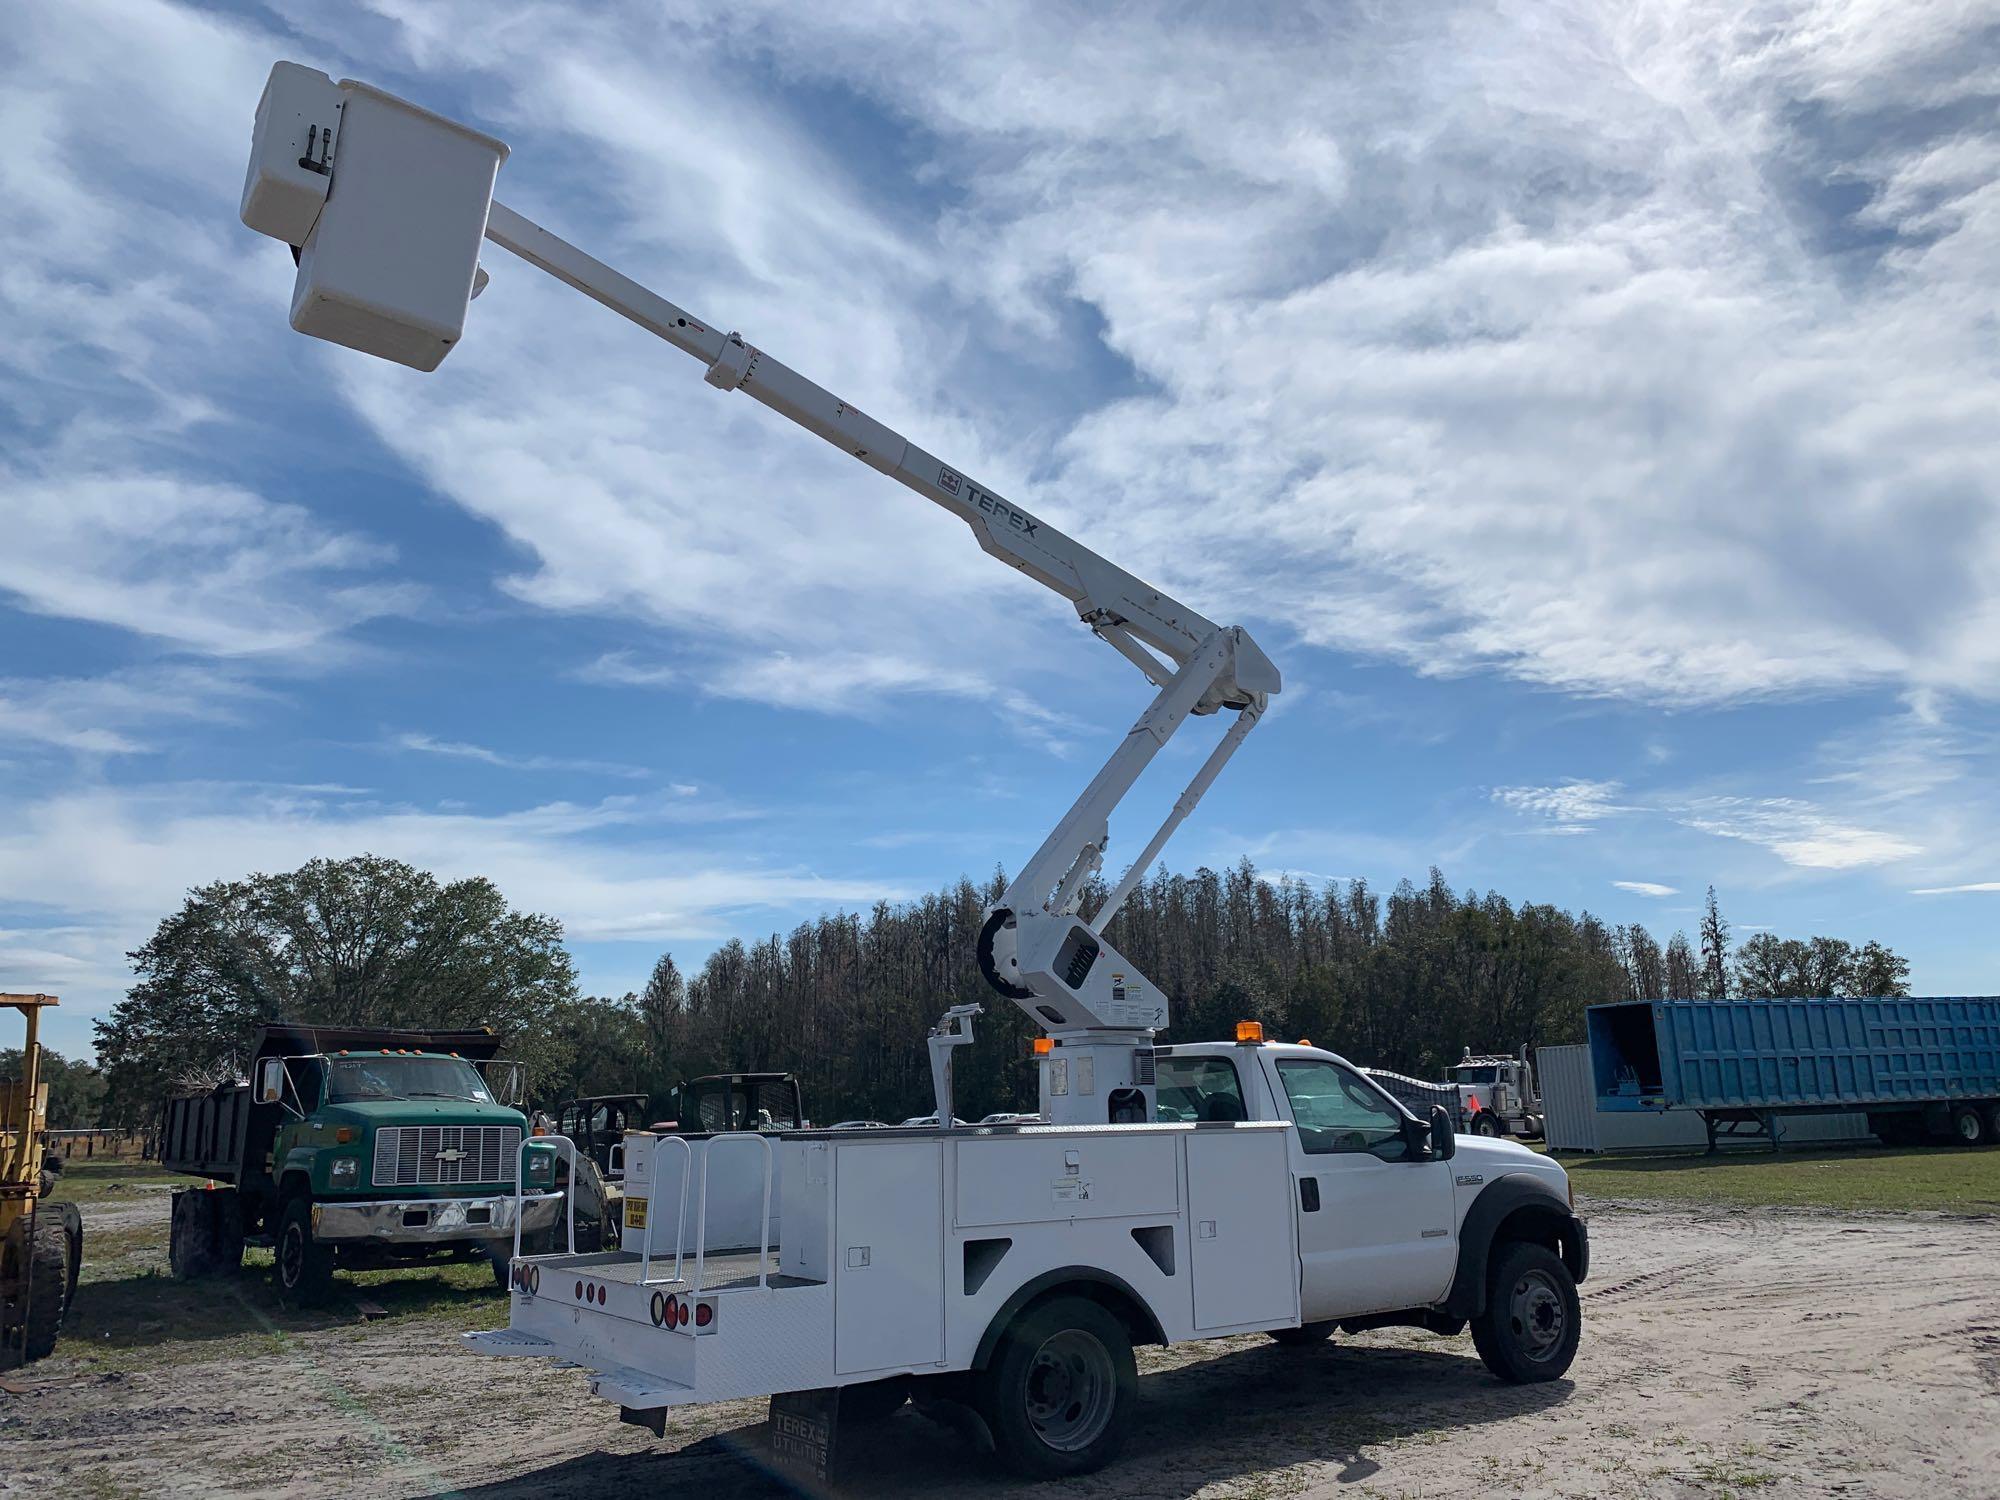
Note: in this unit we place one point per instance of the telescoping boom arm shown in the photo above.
(387, 204)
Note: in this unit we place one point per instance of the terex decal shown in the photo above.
(993, 505)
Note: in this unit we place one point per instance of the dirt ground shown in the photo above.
(1726, 1352)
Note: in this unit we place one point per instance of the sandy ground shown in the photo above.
(1725, 1353)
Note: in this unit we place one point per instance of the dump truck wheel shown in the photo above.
(48, 1286)
(1529, 1329)
(191, 1235)
(1303, 1336)
(304, 1267)
(1060, 1391)
(1485, 1123)
(1968, 1126)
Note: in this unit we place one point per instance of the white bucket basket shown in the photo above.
(388, 268)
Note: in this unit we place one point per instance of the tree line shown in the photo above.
(1403, 980)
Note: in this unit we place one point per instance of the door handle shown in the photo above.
(1309, 1195)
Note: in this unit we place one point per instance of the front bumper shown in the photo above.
(416, 1221)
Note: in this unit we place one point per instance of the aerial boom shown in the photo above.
(386, 204)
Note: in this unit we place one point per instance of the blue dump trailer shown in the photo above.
(1920, 1070)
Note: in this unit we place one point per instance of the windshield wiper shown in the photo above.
(427, 1094)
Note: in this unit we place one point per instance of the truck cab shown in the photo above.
(1383, 1198)
(1498, 1094)
(356, 1148)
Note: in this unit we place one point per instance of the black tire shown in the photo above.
(1969, 1126)
(1486, 1123)
(72, 1218)
(1993, 1122)
(1529, 1329)
(874, 1400)
(303, 1268)
(1303, 1336)
(1059, 1393)
(48, 1286)
(1897, 1129)
(501, 1258)
(191, 1247)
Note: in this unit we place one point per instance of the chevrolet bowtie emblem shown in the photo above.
(451, 1153)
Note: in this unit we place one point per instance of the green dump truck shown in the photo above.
(357, 1149)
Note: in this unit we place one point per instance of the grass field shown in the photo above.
(130, 1313)
(1944, 1179)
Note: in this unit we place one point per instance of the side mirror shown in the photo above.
(271, 1080)
(1444, 1140)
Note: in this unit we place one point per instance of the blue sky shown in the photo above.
(1591, 408)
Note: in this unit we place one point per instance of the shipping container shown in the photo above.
(1916, 1067)
(1575, 1122)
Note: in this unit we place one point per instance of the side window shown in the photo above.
(1198, 1090)
(1335, 1111)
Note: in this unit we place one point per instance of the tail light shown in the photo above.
(704, 1314)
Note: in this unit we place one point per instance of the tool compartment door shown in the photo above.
(1241, 1228)
(888, 1255)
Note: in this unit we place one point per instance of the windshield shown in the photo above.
(1478, 1075)
(356, 1079)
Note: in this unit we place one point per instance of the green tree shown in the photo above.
(1714, 950)
(364, 941)
(76, 1089)
(1879, 970)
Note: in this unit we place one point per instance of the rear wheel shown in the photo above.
(1969, 1125)
(1058, 1395)
(1529, 1329)
(1302, 1336)
(191, 1247)
(304, 1267)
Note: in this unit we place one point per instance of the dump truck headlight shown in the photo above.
(345, 1171)
(541, 1167)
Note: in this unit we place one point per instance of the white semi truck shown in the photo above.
(1172, 1193)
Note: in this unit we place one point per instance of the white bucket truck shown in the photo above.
(1172, 1193)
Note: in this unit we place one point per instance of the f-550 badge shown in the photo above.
(1472, 1179)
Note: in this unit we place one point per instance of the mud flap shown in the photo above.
(802, 1430)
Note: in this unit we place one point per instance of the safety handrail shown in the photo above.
(520, 1198)
(764, 1223)
(652, 1203)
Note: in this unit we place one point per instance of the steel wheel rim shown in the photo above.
(1968, 1128)
(1537, 1315)
(291, 1255)
(1071, 1390)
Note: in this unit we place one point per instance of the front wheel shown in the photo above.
(1485, 1123)
(1529, 1330)
(304, 1266)
(1058, 1396)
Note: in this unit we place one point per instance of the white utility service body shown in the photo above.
(1172, 1193)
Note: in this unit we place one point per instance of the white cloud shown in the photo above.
(136, 310)
(636, 867)
(101, 715)
(424, 744)
(1647, 888)
(1796, 831)
(1956, 890)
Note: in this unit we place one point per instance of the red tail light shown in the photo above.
(703, 1315)
(673, 1311)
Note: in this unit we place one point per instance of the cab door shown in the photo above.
(1375, 1218)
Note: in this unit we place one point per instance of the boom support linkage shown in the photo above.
(1035, 948)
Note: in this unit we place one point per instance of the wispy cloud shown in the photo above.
(460, 750)
(1570, 807)
(106, 715)
(1647, 888)
(1958, 890)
